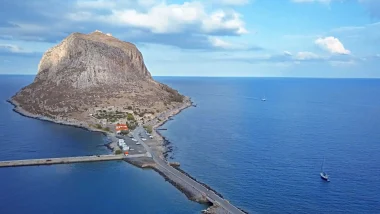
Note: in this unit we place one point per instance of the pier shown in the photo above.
(65, 160)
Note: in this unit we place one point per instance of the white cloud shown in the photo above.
(114, 4)
(169, 18)
(225, 45)
(301, 56)
(147, 3)
(97, 4)
(332, 44)
(306, 56)
(187, 25)
(231, 2)
(12, 48)
(219, 43)
(15, 50)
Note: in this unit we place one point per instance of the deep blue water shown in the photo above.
(109, 187)
(266, 156)
(262, 156)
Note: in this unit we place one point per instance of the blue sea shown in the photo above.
(263, 157)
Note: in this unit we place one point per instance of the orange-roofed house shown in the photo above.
(121, 127)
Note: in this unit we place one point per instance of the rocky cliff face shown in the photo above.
(85, 61)
(93, 70)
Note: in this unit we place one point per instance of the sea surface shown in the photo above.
(263, 157)
(107, 187)
(267, 156)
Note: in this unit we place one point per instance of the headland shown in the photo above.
(99, 83)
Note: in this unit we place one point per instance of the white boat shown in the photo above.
(323, 175)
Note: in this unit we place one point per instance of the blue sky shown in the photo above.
(270, 38)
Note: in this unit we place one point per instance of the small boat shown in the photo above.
(263, 99)
(323, 175)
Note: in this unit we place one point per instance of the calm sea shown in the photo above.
(262, 156)
(109, 187)
(267, 156)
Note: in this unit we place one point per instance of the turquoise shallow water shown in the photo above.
(262, 156)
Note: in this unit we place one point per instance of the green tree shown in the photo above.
(149, 129)
(124, 132)
(130, 117)
(118, 152)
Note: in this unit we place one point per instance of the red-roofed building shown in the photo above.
(121, 127)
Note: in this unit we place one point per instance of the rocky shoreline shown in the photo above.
(168, 116)
(141, 162)
(73, 123)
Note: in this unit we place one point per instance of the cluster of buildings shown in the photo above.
(121, 127)
(123, 146)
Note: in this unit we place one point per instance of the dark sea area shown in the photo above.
(263, 156)
(106, 187)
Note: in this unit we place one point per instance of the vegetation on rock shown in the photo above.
(148, 129)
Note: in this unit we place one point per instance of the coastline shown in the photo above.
(77, 124)
(167, 116)
(189, 192)
(213, 208)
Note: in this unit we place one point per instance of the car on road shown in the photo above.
(133, 139)
(143, 139)
(150, 136)
(138, 143)
(131, 149)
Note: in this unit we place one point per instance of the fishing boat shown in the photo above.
(263, 99)
(323, 175)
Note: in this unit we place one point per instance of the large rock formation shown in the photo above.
(93, 70)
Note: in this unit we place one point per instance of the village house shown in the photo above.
(121, 127)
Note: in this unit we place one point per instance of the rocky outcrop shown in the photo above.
(84, 61)
(93, 70)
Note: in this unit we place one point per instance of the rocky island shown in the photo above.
(98, 82)
(95, 72)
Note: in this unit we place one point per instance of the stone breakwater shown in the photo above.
(145, 162)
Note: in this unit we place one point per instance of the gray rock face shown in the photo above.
(93, 70)
(84, 61)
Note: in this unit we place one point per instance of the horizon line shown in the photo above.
(292, 77)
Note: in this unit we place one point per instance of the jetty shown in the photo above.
(64, 160)
(179, 178)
